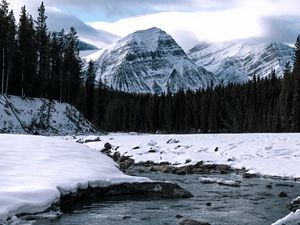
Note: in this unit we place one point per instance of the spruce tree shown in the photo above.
(42, 40)
(90, 90)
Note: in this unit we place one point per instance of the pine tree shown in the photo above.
(27, 55)
(90, 90)
(4, 27)
(42, 40)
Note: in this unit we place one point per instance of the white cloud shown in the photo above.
(210, 26)
(187, 21)
(245, 20)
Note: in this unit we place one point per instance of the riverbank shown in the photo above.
(39, 173)
(275, 156)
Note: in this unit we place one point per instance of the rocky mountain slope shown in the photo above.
(84, 46)
(238, 61)
(148, 61)
(41, 116)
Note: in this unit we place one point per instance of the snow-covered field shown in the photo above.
(36, 170)
(266, 154)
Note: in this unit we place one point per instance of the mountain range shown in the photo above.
(238, 61)
(150, 61)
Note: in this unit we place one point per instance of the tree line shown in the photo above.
(35, 62)
(270, 104)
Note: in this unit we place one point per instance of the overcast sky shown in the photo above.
(188, 21)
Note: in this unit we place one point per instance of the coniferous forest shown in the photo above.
(35, 62)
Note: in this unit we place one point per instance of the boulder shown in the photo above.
(282, 194)
(107, 146)
(294, 204)
(116, 156)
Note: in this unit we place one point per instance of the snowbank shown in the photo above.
(291, 219)
(266, 154)
(35, 170)
(41, 116)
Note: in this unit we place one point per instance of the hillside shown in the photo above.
(41, 116)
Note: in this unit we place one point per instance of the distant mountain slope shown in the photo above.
(148, 61)
(41, 116)
(238, 61)
(83, 46)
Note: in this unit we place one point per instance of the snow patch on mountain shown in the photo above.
(238, 61)
(148, 61)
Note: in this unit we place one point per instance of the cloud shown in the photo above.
(86, 33)
(188, 27)
(57, 20)
(281, 29)
(125, 8)
(188, 21)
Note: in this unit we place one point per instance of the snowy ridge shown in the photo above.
(148, 61)
(41, 116)
(36, 171)
(238, 61)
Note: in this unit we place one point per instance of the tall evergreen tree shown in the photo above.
(90, 90)
(42, 41)
(4, 27)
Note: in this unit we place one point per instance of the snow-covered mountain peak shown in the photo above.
(144, 61)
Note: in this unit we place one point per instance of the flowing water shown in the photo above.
(250, 204)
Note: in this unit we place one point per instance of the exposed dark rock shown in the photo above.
(126, 164)
(107, 146)
(216, 149)
(74, 200)
(199, 164)
(284, 185)
(249, 175)
(179, 171)
(173, 141)
(188, 160)
(152, 151)
(126, 217)
(136, 147)
(123, 158)
(294, 205)
(282, 194)
(224, 169)
(164, 163)
(96, 139)
(208, 204)
(269, 186)
(153, 169)
(192, 222)
(165, 168)
(179, 216)
(116, 156)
